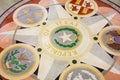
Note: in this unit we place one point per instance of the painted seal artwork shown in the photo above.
(110, 37)
(72, 32)
(30, 15)
(81, 72)
(114, 39)
(18, 61)
(64, 38)
(81, 8)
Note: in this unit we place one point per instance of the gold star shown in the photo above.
(26, 12)
(37, 14)
(78, 1)
(29, 20)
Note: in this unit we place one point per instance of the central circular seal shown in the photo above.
(66, 37)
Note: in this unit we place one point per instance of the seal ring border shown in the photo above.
(77, 66)
(29, 25)
(102, 43)
(31, 69)
(71, 26)
(65, 58)
(88, 15)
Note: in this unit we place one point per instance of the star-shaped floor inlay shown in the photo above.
(96, 24)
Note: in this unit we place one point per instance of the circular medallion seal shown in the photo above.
(30, 15)
(81, 72)
(109, 39)
(18, 61)
(81, 8)
(65, 38)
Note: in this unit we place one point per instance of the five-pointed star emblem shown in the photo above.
(65, 37)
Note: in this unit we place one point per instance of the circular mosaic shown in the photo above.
(50, 68)
(109, 39)
(81, 72)
(64, 38)
(30, 15)
(18, 61)
(81, 8)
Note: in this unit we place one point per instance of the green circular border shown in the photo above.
(63, 58)
(62, 26)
